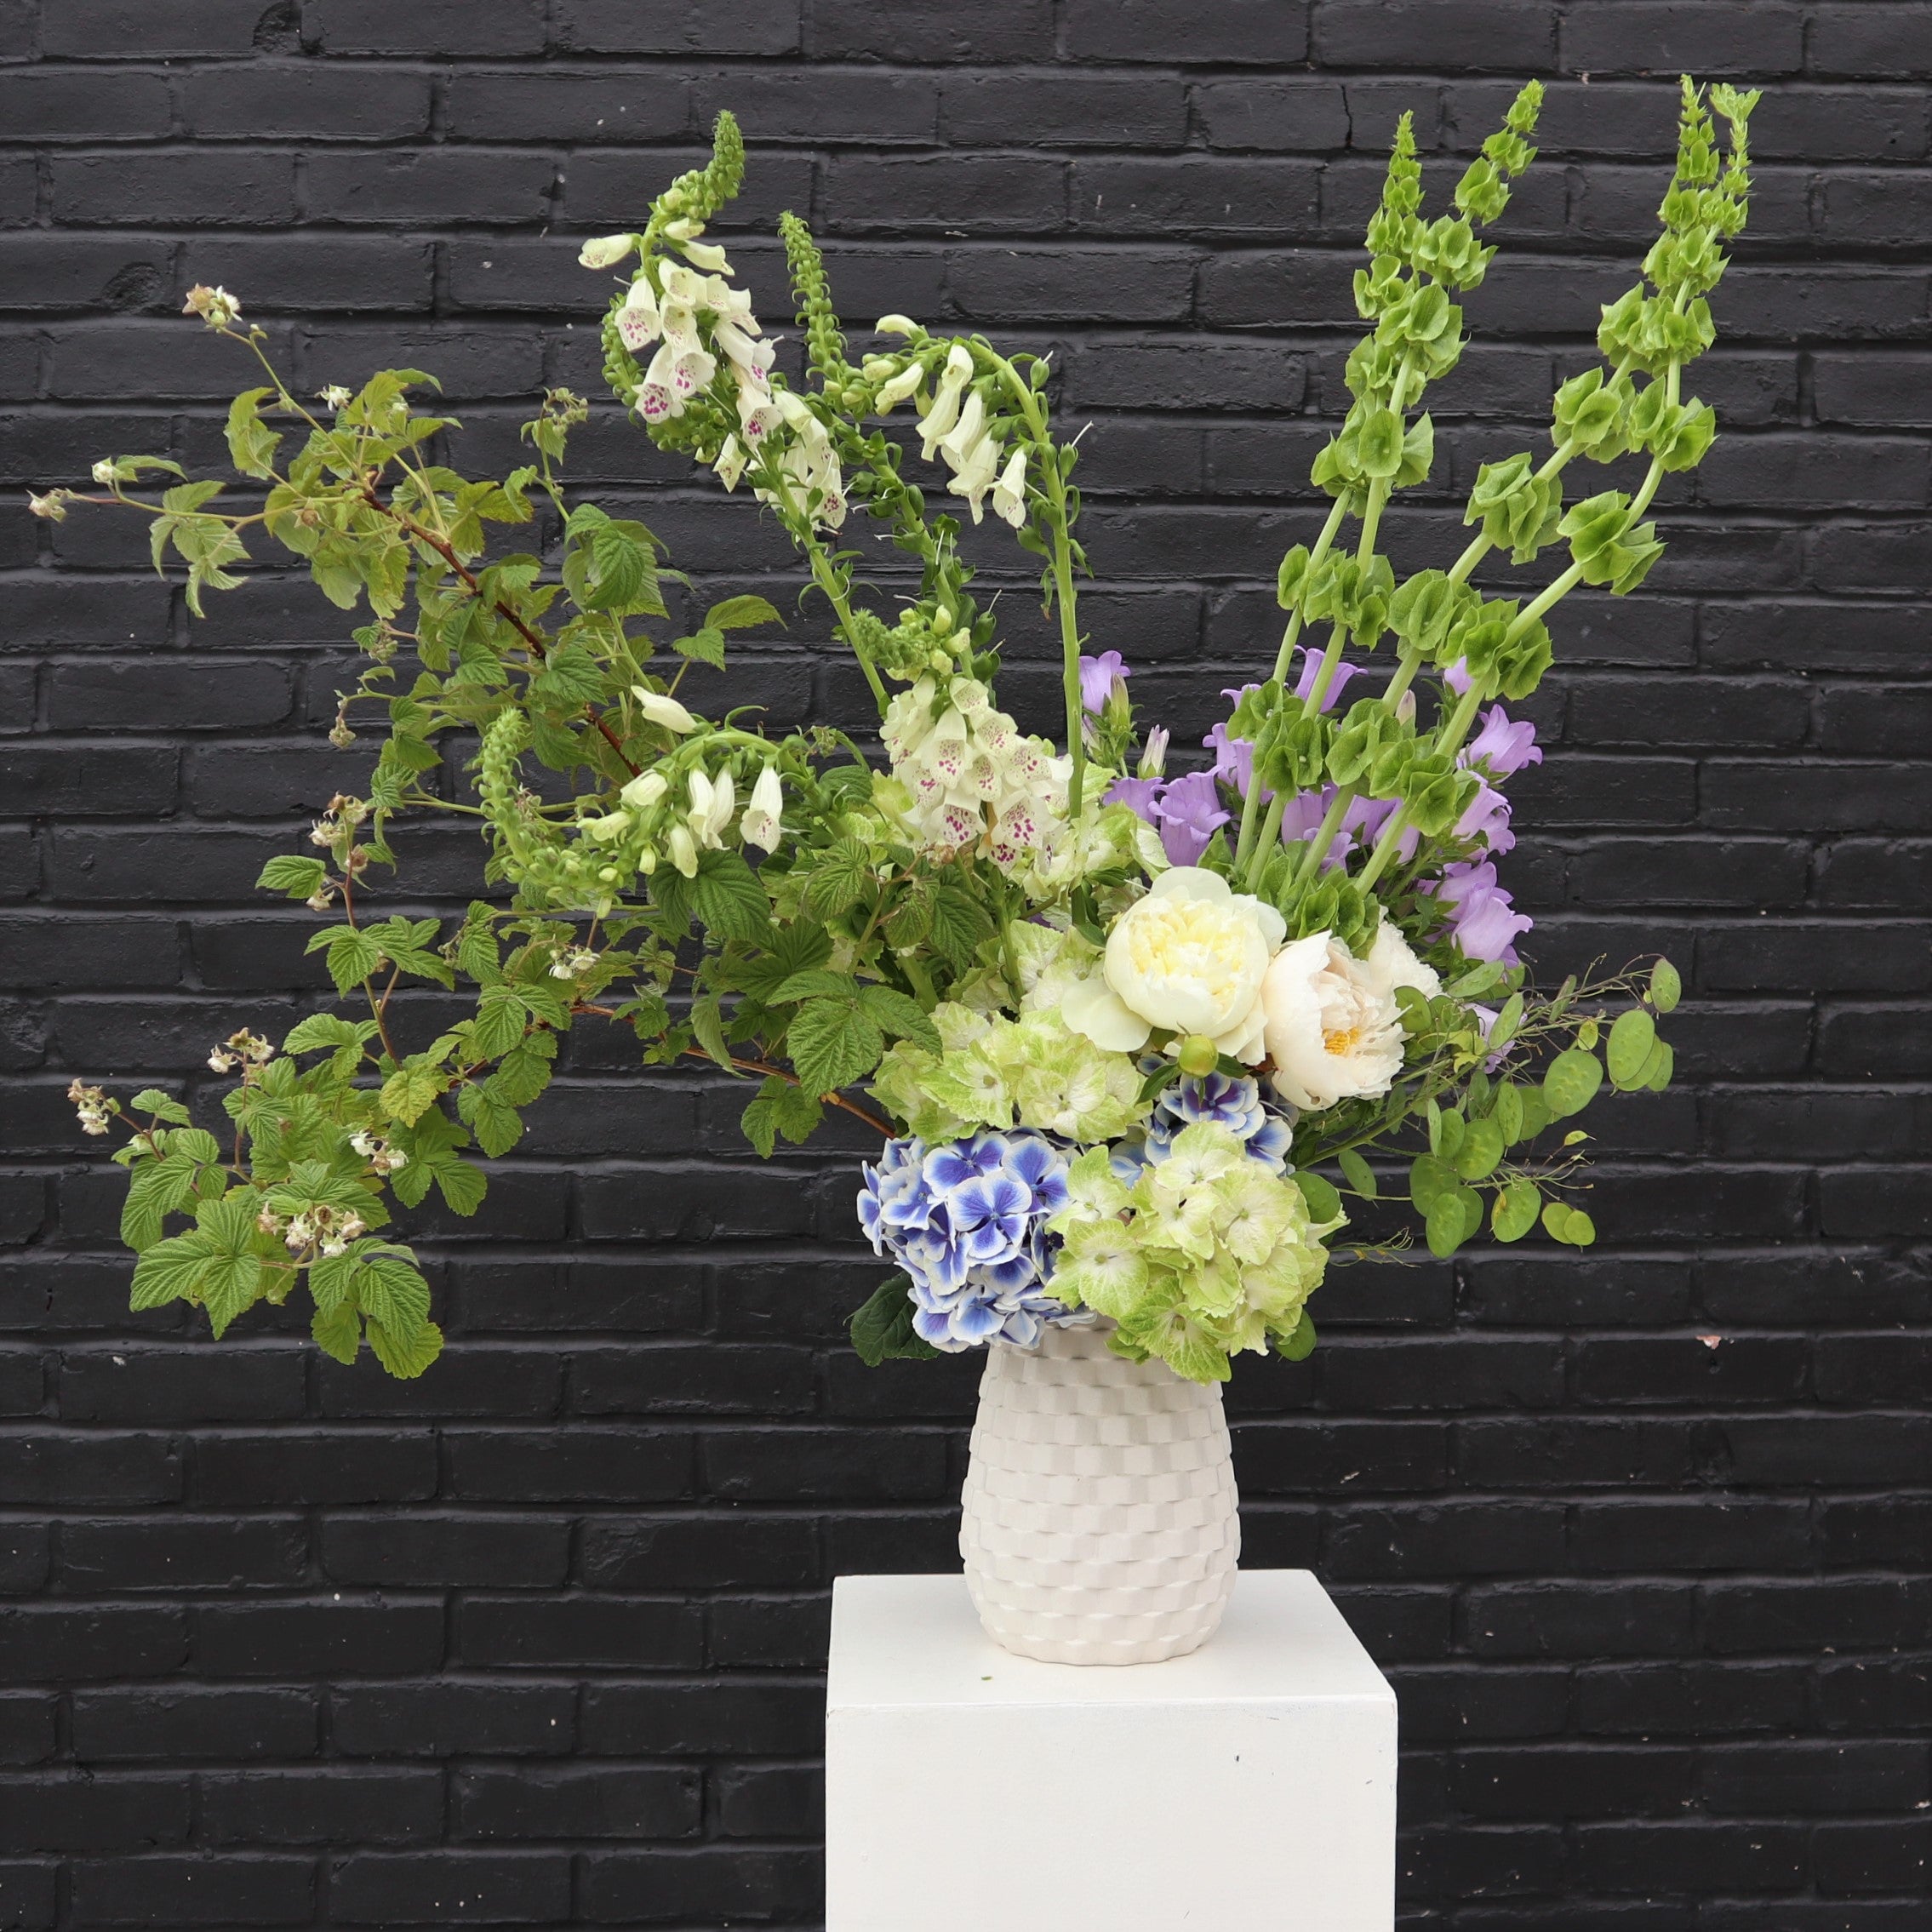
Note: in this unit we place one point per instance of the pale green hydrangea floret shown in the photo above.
(1207, 1254)
(1000, 1072)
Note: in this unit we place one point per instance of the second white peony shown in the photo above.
(1332, 1030)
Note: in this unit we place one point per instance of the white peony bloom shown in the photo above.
(1332, 1033)
(1390, 963)
(660, 709)
(605, 251)
(761, 824)
(1191, 956)
(1010, 492)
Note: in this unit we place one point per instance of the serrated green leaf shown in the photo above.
(837, 880)
(497, 1128)
(741, 614)
(169, 1271)
(730, 899)
(901, 1018)
(337, 1330)
(293, 877)
(833, 1042)
(502, 1020)
(251, 444)
(328, 1029)
(352, 957)
(704, 646)
(881, 1329)
(162, 1106)
(231, 1286)
(410, 1092)
(707, 1027)
(462, 1185)
(406, 1356)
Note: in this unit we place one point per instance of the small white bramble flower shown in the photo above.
(644, 790)
(104, 472)
(269, 1221)
(334, 396)
(662, 710)
(363, 1143)
(352, 1225)
(322, 901)
(53, 506)
(605, 251)
(389, 1160)
(220, 1061)
(215, 306)
(570, 964)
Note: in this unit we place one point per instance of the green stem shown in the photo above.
(1053, 486)
(825, 578)
(1324, 836)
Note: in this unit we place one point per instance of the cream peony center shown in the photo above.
(1194, 940)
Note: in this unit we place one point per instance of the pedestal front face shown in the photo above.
(1248, 1788)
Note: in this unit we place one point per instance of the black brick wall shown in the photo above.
(1640, 1535)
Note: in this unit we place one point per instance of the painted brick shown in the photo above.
(286, 1642)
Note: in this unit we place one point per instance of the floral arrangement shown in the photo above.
(1137, 1041)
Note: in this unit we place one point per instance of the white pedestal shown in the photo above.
(1248, 1788)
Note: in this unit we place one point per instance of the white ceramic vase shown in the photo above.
(1100, 1523)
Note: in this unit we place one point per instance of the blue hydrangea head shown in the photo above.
(966, 1221)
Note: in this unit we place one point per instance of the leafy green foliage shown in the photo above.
(881, 1329)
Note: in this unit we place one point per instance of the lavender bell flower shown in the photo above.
(1311, 664)
(1139, 795)
(1482, 919)
(1487, 821)
(1234, 762)
(1188, 814)
(1506, 745)
(1102, 678)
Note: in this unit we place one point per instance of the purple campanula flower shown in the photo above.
(1504, 744)
(1188, 814)
(1310, 666)
(1139, 795)
(1234, 762)
(1482, 919)
(1456, 677)
(1102, 678)
(1303, 813)
(1487, 821)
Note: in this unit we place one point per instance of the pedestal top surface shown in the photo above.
(907, 1642)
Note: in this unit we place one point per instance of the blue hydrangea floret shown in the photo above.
(966, 1220)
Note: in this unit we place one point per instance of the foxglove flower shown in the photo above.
(1010, 492)
(760, 825)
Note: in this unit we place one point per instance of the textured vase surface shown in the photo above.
(1100, 1523)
